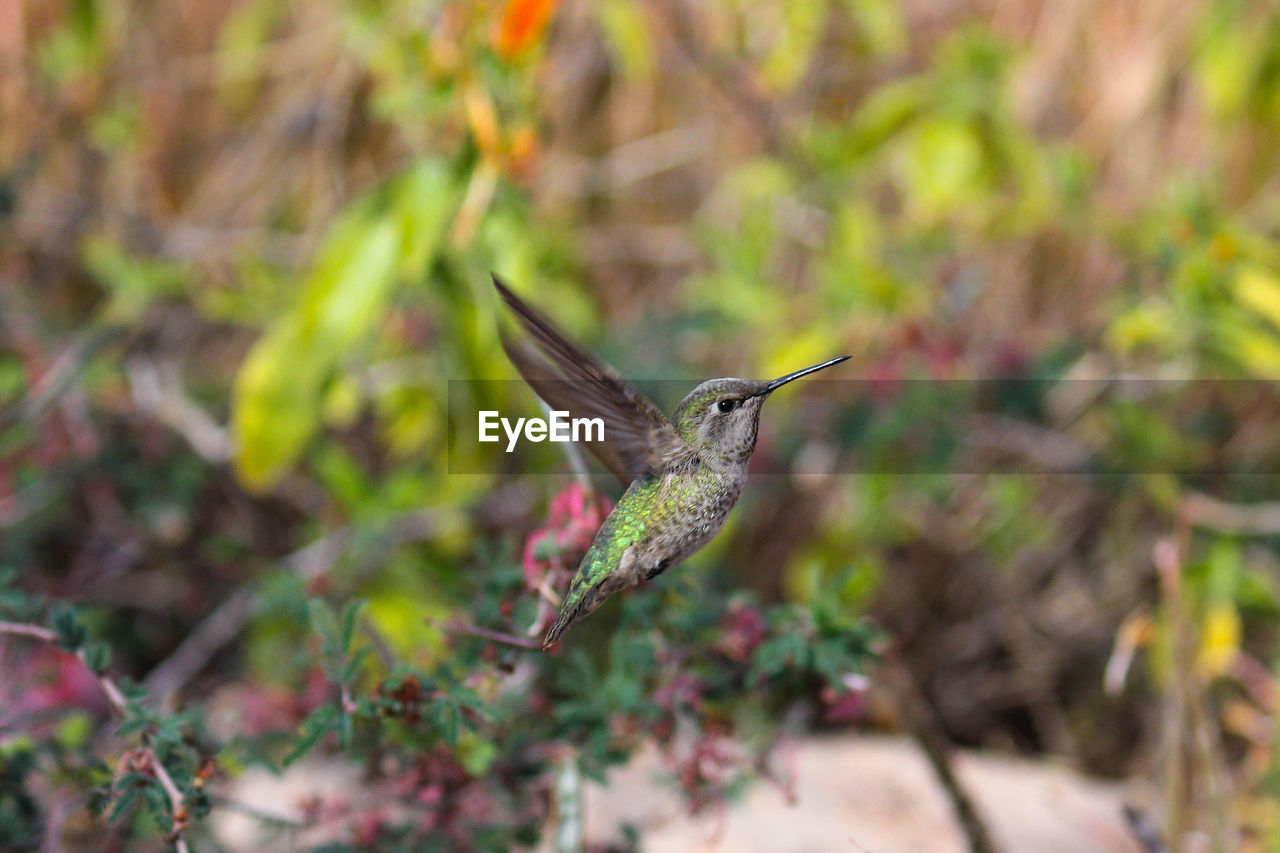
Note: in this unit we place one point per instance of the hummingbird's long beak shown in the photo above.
(791, 377)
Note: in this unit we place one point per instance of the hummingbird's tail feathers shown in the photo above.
(584, 596)
(563, 621)
(573, 610)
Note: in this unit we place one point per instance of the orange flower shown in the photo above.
(522, 25)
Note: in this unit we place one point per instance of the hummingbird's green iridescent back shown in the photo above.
(682, 478)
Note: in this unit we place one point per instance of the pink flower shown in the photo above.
(40, 683)
(885, 381)
(743, 630)
(707, 771)
(576, 514)
(845, 704)
(683, 691)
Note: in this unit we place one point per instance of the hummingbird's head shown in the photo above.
(722, 416)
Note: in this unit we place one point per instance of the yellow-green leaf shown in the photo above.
(277, 392)
(1219, 639)
(1259, 290)
(881, 22)
(425, 199)
(944, 167)
(799, 350)
(1146, 325)
(133, 281)
(627, 32)
(391, 234)
(1256, 348)
(796, 35)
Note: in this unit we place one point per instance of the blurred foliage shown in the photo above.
(245, 249)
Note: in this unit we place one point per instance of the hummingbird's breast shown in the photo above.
(657, 523)
(690, 509)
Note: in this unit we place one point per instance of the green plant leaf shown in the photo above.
(1259, 290)
(66, 624)
(390, 235)
(626, 30)
(318, 723)
(277, 392)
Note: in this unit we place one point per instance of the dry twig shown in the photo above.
(177, 802)
(226, 620)
(1145, 830)
(1256, 519)
(929, 735)
(487, 634)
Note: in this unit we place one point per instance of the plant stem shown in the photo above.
(487, 634)
(929, 735)
(177, 802)
(568, 831)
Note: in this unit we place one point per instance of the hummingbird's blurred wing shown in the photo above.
(638, 437)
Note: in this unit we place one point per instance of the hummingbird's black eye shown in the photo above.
(727, 405)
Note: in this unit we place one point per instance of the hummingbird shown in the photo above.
(682, 474)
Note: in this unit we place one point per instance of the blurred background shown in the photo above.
(244, 248)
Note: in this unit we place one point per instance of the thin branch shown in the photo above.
(733, 80)
(61, 375)
(488, 634)
(224, 622)
(1049, 450)
(1257, 519)
(378, 642)
(1191, 724)
(54, 823)
(1176, 785)
(1145, 830)
(23, 630)
(157, 390)
(548, 604)
(20, 629)
(568, 793)
(216, 630)
(177, 801)
(256, 813)
(929, 735)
